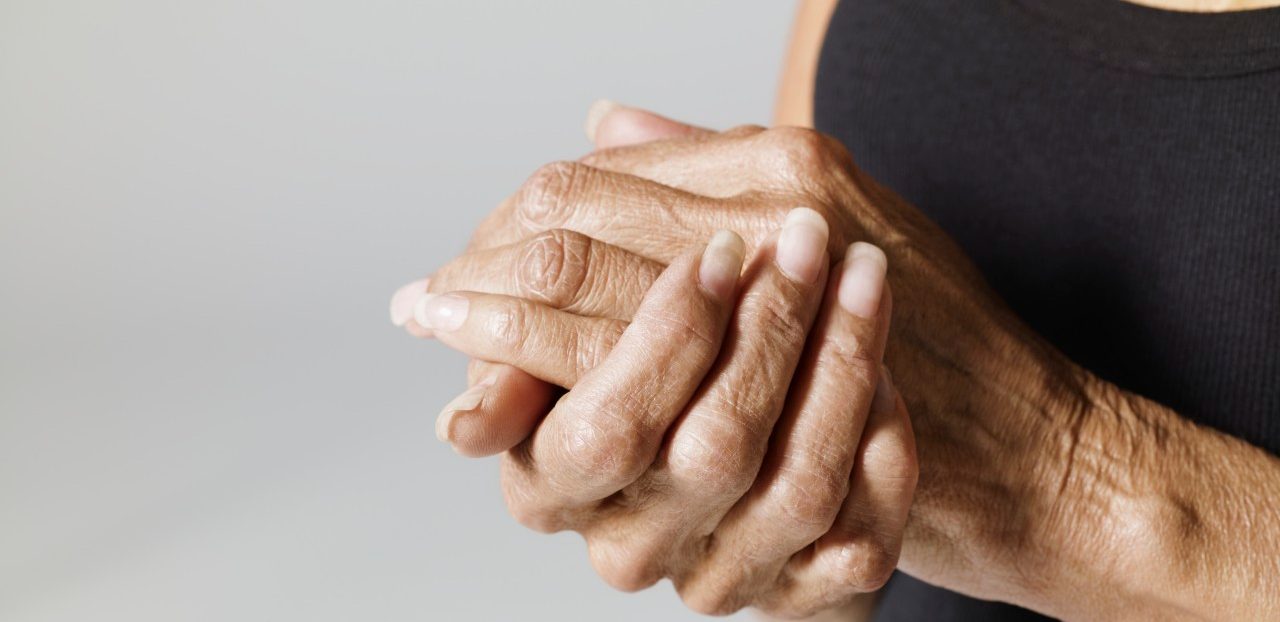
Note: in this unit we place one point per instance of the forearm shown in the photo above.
(1050, 489)
(1177, 518)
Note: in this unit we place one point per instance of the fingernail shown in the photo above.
(596, 113)
(469, 400)
(862, 283)
(885, 399)
(802, 244)
(404, 299)
(722, 263)
(441, 313)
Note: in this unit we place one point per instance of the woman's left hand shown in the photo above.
(757, 470)
(1015, 460)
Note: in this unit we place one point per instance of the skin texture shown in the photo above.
(794, 106)
(1040, 485)
(760, 468)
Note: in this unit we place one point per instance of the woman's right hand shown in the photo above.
(700, 440)
(551, 268)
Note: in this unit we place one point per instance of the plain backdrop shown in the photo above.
(204, 207)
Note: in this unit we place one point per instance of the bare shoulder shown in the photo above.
(795, 92)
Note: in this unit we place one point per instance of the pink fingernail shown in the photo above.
(446, 312)
(802, 245)
(405, 298)
(596, 113)
(722, 263)
(862, 283)
(469, 400)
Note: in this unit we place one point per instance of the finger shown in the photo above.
(715, 449)
(714, 164)
(551, 345)
(751, 165)
(610, 124)
(861, 550)
(404, 298)
(805, 478)
(744, 160)
(656, 221)
(402, 302)
(502, 407)
(560, 268)
(602, 435)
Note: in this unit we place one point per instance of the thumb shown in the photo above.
(610, 124)
(501, 409)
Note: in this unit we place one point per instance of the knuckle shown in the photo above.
(777, 318)
(545, 198)
(712, 600)
(809, 498)
(851, 357)
(553, 267)
(626, 568)
(527, 512)
(592, 348)
(865, 566)
(800, 150)
(764, 212)
(508, 326)
(611, 456)
(718, 458)
(679, 328)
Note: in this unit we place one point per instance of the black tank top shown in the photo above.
(1114, 170)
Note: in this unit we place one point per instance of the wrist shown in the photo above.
(1125, 531)
(1069, 507)
(1001, 501)
(1062, 478)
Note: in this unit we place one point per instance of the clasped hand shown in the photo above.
(733, 428)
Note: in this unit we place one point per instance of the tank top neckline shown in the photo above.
(1149, 40)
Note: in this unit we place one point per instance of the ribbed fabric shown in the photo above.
(1114, 170)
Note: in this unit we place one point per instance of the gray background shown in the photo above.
(204, 207)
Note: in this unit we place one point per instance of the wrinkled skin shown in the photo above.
(1020, 495)
(657, 200)
(701, 439)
